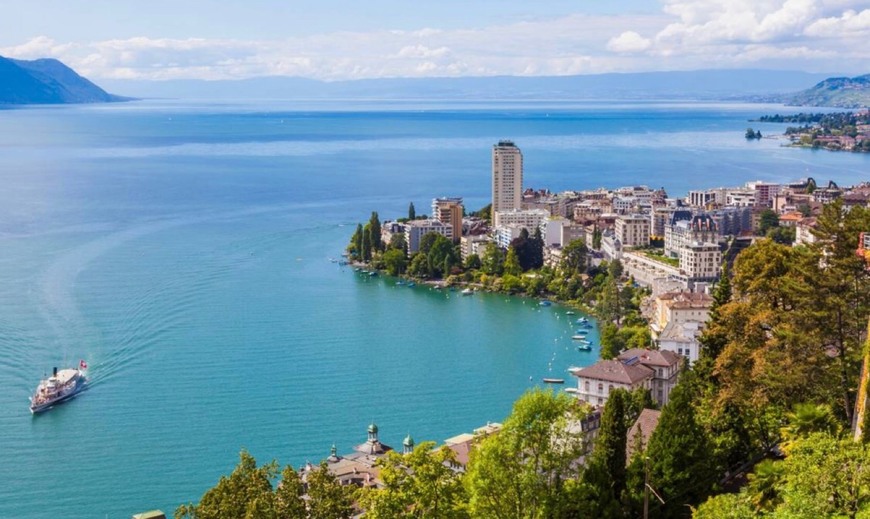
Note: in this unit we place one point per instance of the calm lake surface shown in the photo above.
(183, 251)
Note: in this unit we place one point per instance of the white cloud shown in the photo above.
(826, 35)
(628, 42)
(849, 23)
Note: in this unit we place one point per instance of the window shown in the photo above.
(587, 386)
(600, 388)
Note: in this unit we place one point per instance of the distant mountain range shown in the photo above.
(47, 81)
(743, 84)
(842, 92)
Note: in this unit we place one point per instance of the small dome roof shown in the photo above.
(408, 441)
(373, 428)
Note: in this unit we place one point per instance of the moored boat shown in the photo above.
(584, 347)
(581, 338)
(467, 292)
(60, 386)
(554, 381)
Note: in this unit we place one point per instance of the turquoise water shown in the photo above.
(183, 250)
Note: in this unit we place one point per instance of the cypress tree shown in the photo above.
(682, 467)
(375, 226)
(357, 242)
(367, 244)
(611, 442)
(412, 213)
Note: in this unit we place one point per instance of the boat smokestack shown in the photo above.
(54, 371)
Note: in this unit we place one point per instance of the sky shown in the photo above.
(341, 40)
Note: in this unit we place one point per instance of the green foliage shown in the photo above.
(522, 471)
(395, 262)
(355, 247)
(767, 220)
(493, 260)
(606, 471)
(412, 213)
(823, 476)
(366, 250)
(397, 242)
(327, 499)
(417, 485)
(681, 469)
(247, 489)
(726, 506)
(529, 250)
(574, 258)
(485, 213)
(512, 264)
(288, 502)
(375, 230)
(472, 262)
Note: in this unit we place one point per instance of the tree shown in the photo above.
(375, 230)
(681, 469)
(412, 213)
(427, 240)
(366, 243)
(767, 220)
(522, 471)
(492, 259)
(574, 257)
(356, 243)
(395, 262)
(825, 477)
(783, 235)
(419, 265)
(840, 291)
(421, 484)
(397, 242)
(512, 263)
(288, 496)
(596, 239)
(485, 213)
(441, 256)
(247, 488)
(611, 343)
(806, 419)
(472, 262)
(327, 499)
(608, 458)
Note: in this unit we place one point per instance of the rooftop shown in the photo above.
(659, 358)
(642, 428)
(614, 371)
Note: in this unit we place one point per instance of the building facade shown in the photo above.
(416, 229)
(449, 212)
(633, 230)
(507, 177)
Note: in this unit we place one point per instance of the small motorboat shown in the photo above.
(467, 292)
(554, 381)
(584, 347)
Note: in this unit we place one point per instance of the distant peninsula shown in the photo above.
(840, 92)
(47, 81)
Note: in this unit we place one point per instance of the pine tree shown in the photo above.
(412, 213)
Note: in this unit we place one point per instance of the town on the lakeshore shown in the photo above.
(673, 249)
(651, 271)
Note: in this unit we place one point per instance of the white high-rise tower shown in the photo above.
(507, 177)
